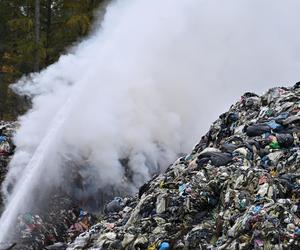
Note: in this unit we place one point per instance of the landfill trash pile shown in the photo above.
(60, 221)
(58, 217)
(238, 189)
(7, 130)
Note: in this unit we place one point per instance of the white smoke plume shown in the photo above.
(145, 86)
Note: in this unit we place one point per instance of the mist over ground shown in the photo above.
(145, 86)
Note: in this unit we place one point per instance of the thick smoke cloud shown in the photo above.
(146, 86)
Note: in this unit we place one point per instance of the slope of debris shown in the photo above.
(238, 189)
(7, 130)
(46, 225)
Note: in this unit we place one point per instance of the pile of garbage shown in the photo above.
(238, 189)
(60, 221)
(7, 130)
(59, 217)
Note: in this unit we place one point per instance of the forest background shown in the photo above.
(33, 34)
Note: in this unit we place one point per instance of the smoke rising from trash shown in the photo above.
(143, 87)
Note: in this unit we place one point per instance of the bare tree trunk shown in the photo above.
(37, 35)
(48, 30)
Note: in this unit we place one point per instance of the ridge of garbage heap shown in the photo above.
(7, 130)
(238, 189)
(62, 220)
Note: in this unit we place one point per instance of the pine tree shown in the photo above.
(37, 27)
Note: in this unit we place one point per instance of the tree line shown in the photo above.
(33, 34)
